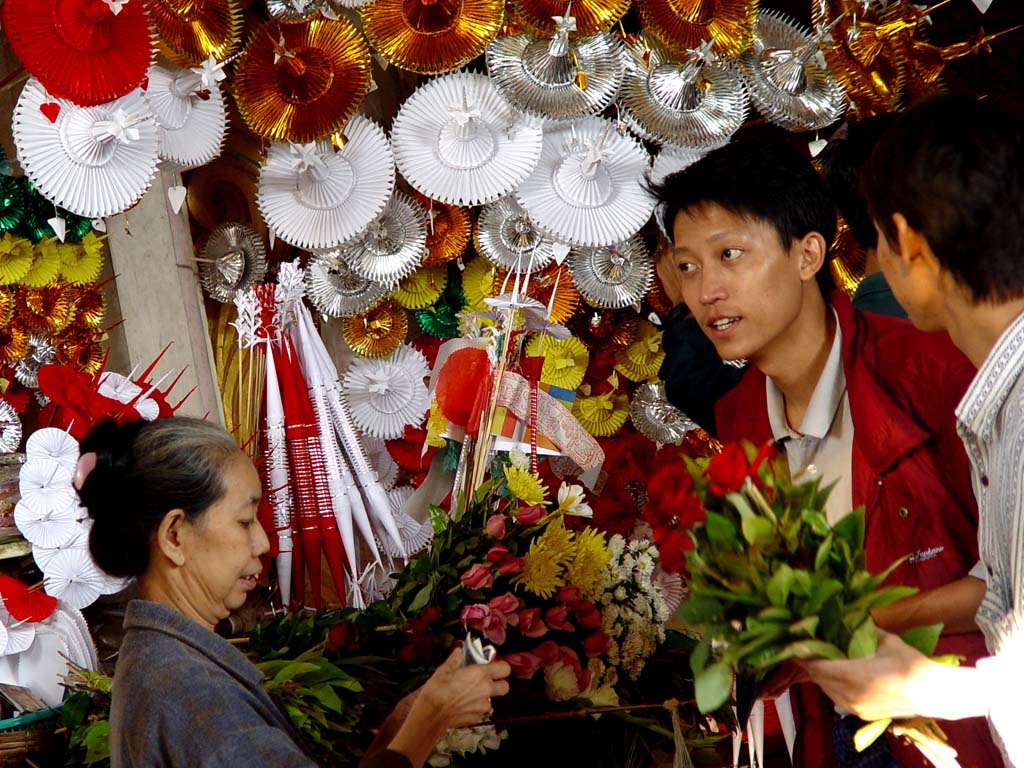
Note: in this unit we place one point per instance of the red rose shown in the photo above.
(569, 595)
(530, 515)
(548, 652)
(342, 637)
(728, 470)
(510, 565)
(524, 665)
(530, 623)
(506, 604)
(587, 614)
(667, 493)
(495, 526)
(478, 576)
(555, 617)
(475, 616)
(496, 554)
(596, 644)
(673, 544)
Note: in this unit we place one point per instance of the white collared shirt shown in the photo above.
(823, 445)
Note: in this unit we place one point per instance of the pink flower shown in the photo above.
(569, 595)
(494, 629)
(507, 604)
(530, 623)
(587, 614)
(524, 665)
(478, 576)
(475, 616)
(596, 644)
(496, 554)
(530, 515)
(555, 617)
(495, 526)
(510, 565)
(548, 652)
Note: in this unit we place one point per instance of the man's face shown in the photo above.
(911, 284)
(742, 286)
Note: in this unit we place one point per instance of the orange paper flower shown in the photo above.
(191, 31)
(680, 25)
(448, 230)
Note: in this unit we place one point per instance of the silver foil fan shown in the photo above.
(336, 291)
(392, 246)
(656, 418)
(614, 276)
(233, 259)
(43, 353)
(10, 428)
(691, 103)
(787, 77)
(557, 79)
(507, 238)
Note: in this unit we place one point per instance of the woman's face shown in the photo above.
(222, 547)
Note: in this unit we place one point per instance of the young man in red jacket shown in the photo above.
(859, 400)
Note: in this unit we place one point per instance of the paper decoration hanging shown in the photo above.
(392, 246)
(190, 114)
(336, 291)
(680, 25)
(387, 395)
(614, 276)
(507, 238)
(233, 259)
(190, 31)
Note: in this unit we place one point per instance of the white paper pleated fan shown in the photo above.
(387, 395)
(191, 128)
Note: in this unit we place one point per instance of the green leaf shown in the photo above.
(864, 642)
(326, 695)
(756, 529)
(802, 649)
(293, 669)
(851, 529)
(807, 626)
(439, 519)
(775, 614)
(868, 734)
(698, 610)
(824, 550)
(801, 582)
(699, 657)
(779, 584)
(422, 598)
(719, 528)
(923, 638)
(739, 501)
(882, 598)
(712, 686)
(97, 742)
(817, 522)
(822, 590)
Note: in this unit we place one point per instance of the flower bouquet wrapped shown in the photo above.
(770, 579)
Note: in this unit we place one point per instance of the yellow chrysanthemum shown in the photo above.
(558, 540)
(525, 486)
(587, 568)
(542, 574)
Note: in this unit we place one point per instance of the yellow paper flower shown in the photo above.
(542, 573)
(15, 258)
(45, 264)
(422, 288)
(81, 264)
(436, 426)
(478, 283)
(565, 362)
(642, 359)
(524, 485)
(587, 568)
(602, 415)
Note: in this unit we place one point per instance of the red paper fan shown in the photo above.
(408, 452)
(25, 604)
(459, 384)
(80, 50)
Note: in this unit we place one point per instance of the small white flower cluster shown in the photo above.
(465, 741)
(633, 609)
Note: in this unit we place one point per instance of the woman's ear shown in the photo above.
(171, 535)
(811, 252)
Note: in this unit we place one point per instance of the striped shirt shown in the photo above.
(990, 420)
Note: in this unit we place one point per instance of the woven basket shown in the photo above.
(28, 735)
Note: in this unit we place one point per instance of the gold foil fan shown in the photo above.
(377, 333)
(193, 30)
(47, 310)
(448, 230)
(6, 306)
(302, 81)
(422, 288)
(540, 17)
(90, 306)
(81, 351)
(681, 25)
(554, 288)
(13, 344)
(431, 36)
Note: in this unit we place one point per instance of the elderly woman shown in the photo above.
(174, 504)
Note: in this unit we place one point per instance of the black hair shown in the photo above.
(953, 166)
(144, 470)
(763, 179)
(842, 164)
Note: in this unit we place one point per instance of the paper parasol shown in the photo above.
(45, 483)
(315, 197)
(52, 443)
(507, 238)
(193, 31)
(458, 141)
(557, 79)
(44, 525)
(422, 288)
(392, 246)
(541, 17)
(587, 188)
(233, 259)
(336, 291)
(386, 395)
(190, 116)
(79, 539)
(381, 461)
(431, 36)
(377, 333)
(416, 536)
(302, 81)
(19, 635)
(94, 161)
(10, 428)
(655, 417)
(565, 362)
(72, 577)
(15, 258)
(680, 25)
(612, 277)
(689, 102)
(80, 50)
(448, 230)
(787, 77)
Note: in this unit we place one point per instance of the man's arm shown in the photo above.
(953, 605)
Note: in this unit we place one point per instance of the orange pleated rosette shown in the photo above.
(46, 310)
(13, 344)
(681, 25)
(193, 30)
(448, 231)
(376, 333)
(431, 36)
(90, 306)
(302, 81)
(6, 306)
(555, 282)
(592, 16)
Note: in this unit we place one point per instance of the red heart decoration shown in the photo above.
(51, 109)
